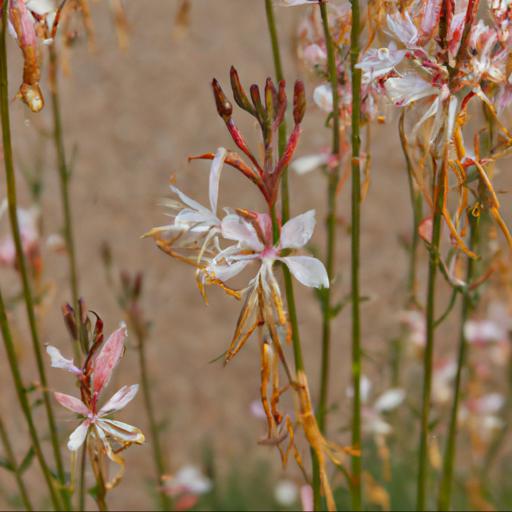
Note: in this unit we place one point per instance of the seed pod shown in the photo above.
(299, 102)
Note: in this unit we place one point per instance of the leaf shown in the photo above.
(27, 460)
(6, 465)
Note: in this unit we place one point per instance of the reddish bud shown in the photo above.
(224, 107)
(69, 320)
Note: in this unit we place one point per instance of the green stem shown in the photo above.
(445, 490)
(355, 254)
(24, 403)
(285, 201)
(58, 139)
(20, 257)
(82, 479)
(165, 499)
(430, 332)
(11, 460)
(333, 179)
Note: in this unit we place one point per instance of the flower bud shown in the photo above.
(224, 107)
(239, 93)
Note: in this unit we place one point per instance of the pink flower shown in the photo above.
(95, 419)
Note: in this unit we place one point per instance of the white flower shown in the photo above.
(410, 87)
(286, 493)
(402, 27)
(378, 62)
(322, 96)
(188, 480)
(295, 234)
(308, 163)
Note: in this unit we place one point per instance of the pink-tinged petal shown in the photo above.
(307, 270)
(430, 17)
(306, 498)
(108, 358)
(59, 361)
(120, 400)
(297, 232)
(77, 437)
(402, 27)
(237, 229)
(294, 3)
(191, 203)
(379, 62)
(215, 172)
(72, 403)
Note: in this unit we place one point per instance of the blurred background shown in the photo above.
(131, 119)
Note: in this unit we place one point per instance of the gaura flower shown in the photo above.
(194, 225)
(93, 379)
(186, 486)
(255, 244)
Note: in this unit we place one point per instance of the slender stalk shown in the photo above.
(165, 499)
(58, 140)
(83, 481)
(20, 257)
(445, 490)
(24, 403)
(355, 253)
(439, 192)
(285, 201)
(11, 460)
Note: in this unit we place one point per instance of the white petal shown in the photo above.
(120, 431)
(215, 171)
(490, 403)
(322, 96)
(71, 403)
(40, 7)
(190, 202)
(307, 270)
(238, 229)
(365, 386)
(226, 272)
(77, 437)
(59, 361)
(297, 232)
(403, 28)
(390, 400)
(119, 400)
(308, 163)
(408, 88)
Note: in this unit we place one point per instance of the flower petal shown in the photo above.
(238, 229)
(108, 358)
(322, 96)
(297, 232)
(408, 88)
(121, 432)
(77, 437)
(226, 272)
(307, 270)
(72, 403)
(215, 171)
(390, 399)
(59, 361)
(119, 400)
(309, 163)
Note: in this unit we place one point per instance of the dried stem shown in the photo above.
(445, 490)
(11, 460)
(439, 192)
(64, 176)
(355, 253)
(20, 257)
